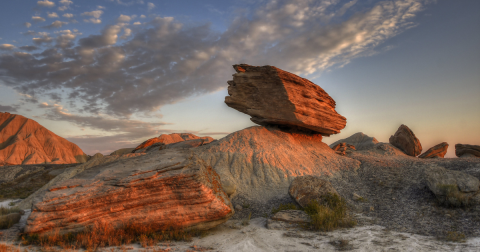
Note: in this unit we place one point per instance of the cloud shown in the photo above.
(65, 5)
(7, 47)
(28, 48)
(100, 7)
(142, 16)
(56, 24)
(95, 13)
(68, 15)
(6, 108)
(93, 20)
(46, 3)
(126, 33)
(137, 23)
(65, 38)
(165, 62)
(52, 15)
(66, 2)
(37, 19)
(27, 24)
(124, 18)
(151, 6)
(45, 39)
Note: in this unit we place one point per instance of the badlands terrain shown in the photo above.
(247, 191)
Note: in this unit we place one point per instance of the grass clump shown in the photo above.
(454, 236)
(246, 221)
(329, 215)
(9, 216)
(289, 206)
(8, 248)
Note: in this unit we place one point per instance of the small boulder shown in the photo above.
(307, 188)
(359, 140)
(467, 150)
(452, 188)
(288, 219)
(343, 148)
(437, 151)
(405, 140)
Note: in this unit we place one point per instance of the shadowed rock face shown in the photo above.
(273, 96)
(172, 188)
(405, 140)
(467, 150)
(438, 150)
(304, 189)
(24, 141)
(170, 139)
(359, 140)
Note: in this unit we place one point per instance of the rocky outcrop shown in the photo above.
(343, 148)
(359, 140)
(166, 139)
(172, 189)
(24, 141)
(464, 150)
(272, 96)
(305, 189)
(405, 140)
(452, 188)
(262, 161)
(120, 152)
(437, 151)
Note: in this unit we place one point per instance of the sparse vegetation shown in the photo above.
(329, 215)
(453, 197)
(246, 221)
(8, 248)
(22, 187)
(454, 236)
(9, 216)
(289, 206)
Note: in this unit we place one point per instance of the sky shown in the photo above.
(109, 74)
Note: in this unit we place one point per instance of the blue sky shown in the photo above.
(109, 74)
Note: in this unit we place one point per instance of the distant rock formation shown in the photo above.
(272, 96)
(122, 151)
(405, 140)
(437, 151)
(24, 141)
(175, 189)
(359, 140)
(170, 139)
(343, 148)
(467, 150)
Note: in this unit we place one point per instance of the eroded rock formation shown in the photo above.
(305, 189)
(437, 151)
(273, 96)
(24, 141)
(405, 140)
(174, 188)
(343, 148)
(467, 150)
(359, 140)
(166, 139)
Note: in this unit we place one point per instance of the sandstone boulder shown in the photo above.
(437, 151)
(343, 148)
(405, 140)
(174, 188)
(304, 189)
(272, 96)
(24, 141)
(467, 150)
(453, 188)
(359, 140)
(166, 139)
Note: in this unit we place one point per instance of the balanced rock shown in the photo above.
(172, 189)
(453, 188)
(304, 189)
(405, 140)
(359, 140)
(343, 148)
(467, 150)
(437, 151)
(24, 141)
(272, 96)
(166, 139)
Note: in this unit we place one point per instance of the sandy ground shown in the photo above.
(232, 236)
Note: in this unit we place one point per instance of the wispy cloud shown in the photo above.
(7, 47)
(96, 14)
(27, 24)
(65, 5)
(151, 6)
(6, 108)
(56, 24)
(38, 19)
(52, 15)
(46, 3)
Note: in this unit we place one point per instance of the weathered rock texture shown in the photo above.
(359, 140)
(262, 161)
(343, 148)
(95, 160)
(405, 140)
(467, 149)
(273, 96)
(166, 139)
(454, 188)
(305, 189)
(288, 219)
(122, 151)
(24, 141)
(437, 151)
(174, 188)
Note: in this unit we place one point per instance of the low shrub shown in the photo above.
(455, 236)
(330, 214)
(289, 206)
(246, 221)
(9, 216)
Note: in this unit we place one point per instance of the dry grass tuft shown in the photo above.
(330, 215)
(9, 216)
(8, 248)
(289, 206)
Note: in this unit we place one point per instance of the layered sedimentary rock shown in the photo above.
(359, 140)
(174, 188)
(437, 151)
(405, 140)
(272, 96)
(467, 150)
(261, 161)
(24, 141)
(170, 139)
(343, 148)
(305, 189)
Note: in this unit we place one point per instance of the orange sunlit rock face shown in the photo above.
(406, 141)
(272, 96)
(170, 139)
(438, 150)
(343, 148)
(24, 141)
(174, 188)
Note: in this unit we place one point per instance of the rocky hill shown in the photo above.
(24, 141)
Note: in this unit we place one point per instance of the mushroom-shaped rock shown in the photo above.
(437, 151)
(467, 150)
(304, 189)
(405, 140)
(272, 96)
